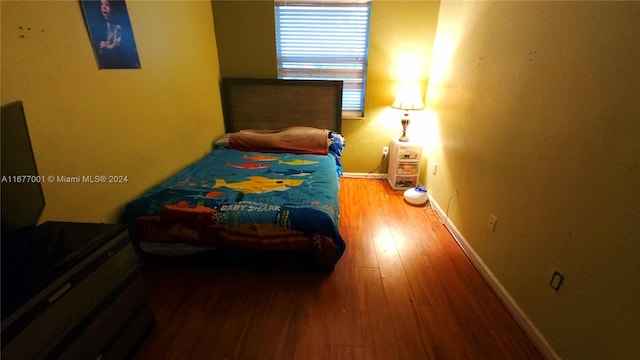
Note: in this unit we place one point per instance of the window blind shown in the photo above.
(325, 40)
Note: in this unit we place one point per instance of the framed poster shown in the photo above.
(111, 33)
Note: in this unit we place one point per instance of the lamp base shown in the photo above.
(405, 123)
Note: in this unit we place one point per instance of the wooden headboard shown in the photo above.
(276, 104)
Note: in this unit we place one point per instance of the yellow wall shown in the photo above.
(401, 37)
(538, 116)
(245, 32)
(145, 124)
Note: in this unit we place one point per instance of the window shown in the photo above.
(325, 40)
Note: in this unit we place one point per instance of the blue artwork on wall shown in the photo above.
(111, 34)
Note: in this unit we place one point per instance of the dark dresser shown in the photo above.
(72, 291)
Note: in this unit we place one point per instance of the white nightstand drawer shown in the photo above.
(404, 164)
(409, 152)
(406, 181)
(408, 168)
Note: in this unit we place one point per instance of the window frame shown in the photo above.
(349, 63)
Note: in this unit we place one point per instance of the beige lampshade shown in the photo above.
(409, 97)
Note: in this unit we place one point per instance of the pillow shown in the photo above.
(224, 140)
(296, 139)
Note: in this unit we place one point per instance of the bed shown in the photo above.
(267, 192)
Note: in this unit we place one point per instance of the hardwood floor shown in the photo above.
(402, 290)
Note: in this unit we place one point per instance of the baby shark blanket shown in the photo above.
(241, 199)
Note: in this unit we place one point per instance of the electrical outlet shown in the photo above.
(434, 168)
(385, 151)
(556, 280)
(491, 224)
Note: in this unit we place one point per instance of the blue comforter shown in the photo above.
(231, 198)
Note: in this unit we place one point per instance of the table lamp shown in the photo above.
(409, 98)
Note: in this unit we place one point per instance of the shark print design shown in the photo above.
(260, 157)
(298, 162)
(248, 165)
(259, 185)
(292, 172)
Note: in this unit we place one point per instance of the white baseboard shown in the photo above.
(511, 305)
(365, 175)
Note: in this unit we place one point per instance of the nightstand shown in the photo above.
(404, 164)
(81, 297)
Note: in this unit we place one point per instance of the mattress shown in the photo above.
(267, 201)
